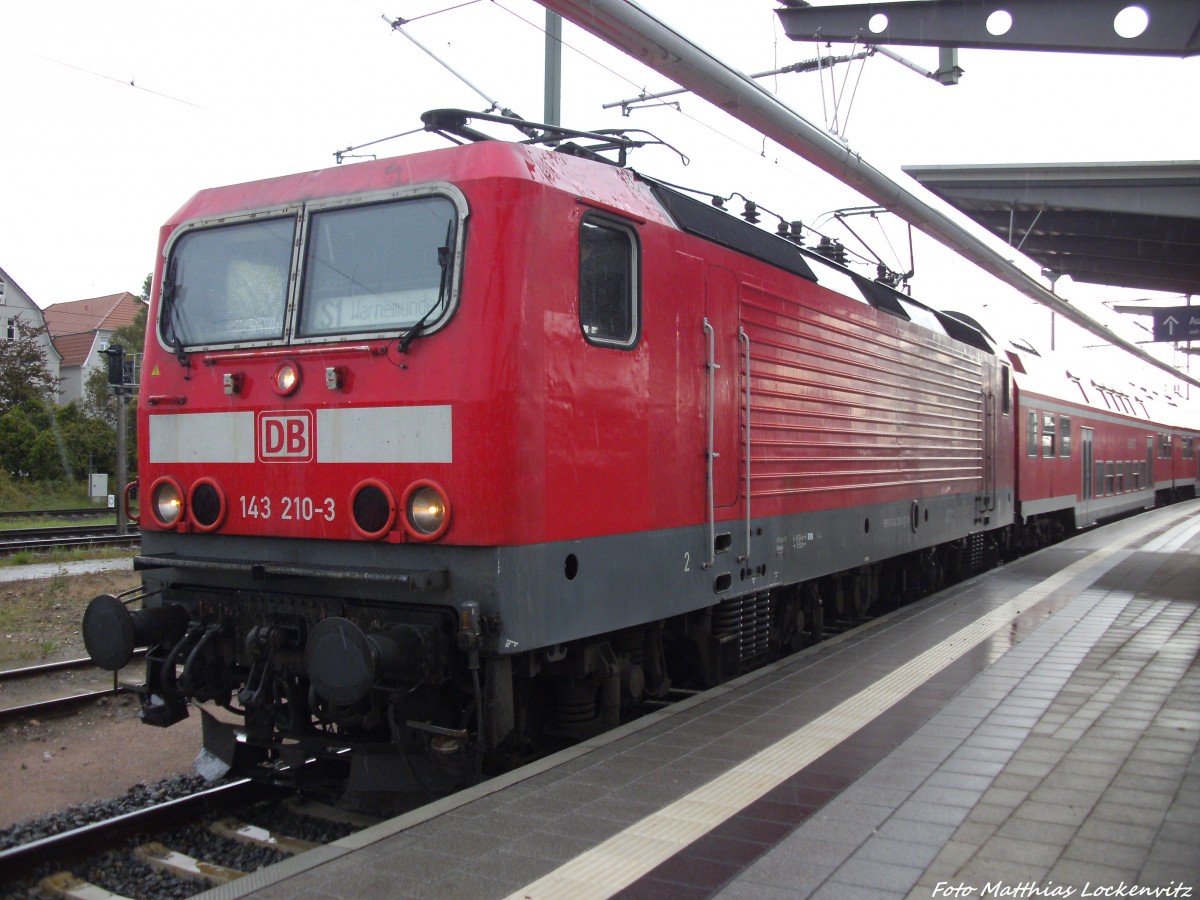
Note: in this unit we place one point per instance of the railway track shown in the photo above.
(176, 848)
(185, 846)
(89, 512)
(66, 537)
(65, 703)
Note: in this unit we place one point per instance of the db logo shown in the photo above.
(285, 436)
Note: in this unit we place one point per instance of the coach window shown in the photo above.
(1064, 436)
(608, 283)
(1031, 435)
(1048, 432)
(1005, 389)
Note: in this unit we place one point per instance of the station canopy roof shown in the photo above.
(1129, 224)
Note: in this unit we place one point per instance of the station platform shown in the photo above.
(1029, 733)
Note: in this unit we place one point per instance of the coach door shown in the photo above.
(723, 343)
(1151, 451)
(1089, 484)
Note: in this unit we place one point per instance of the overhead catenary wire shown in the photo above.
(820, 63)
(858, 52)
(723, 135)
(128, 82)
(836, 124)
(854, 91)
(438, 12)
(803, 66)
(398, 26)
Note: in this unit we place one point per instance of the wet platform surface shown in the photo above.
(1030, 733)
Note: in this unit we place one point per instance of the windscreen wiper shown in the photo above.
(443, 254)
(169, 311)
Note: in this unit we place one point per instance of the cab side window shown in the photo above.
(609, 279)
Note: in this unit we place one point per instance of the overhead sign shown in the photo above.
(1177, 323)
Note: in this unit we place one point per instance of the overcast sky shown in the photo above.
(114, 113)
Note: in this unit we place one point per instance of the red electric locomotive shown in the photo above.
(452, 452)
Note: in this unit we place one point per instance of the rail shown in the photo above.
(86, 512)
(24, 859)
(65, 537)
(60, 704)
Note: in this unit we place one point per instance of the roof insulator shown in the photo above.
(831, 248)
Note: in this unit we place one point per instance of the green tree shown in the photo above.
(25, 377)
(18, 431)
(133, 336)
(72, 446)
(28, 390)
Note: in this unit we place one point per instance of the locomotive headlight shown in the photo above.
(206, 503)
(286, 378)
(166, 501)
(374, 508)
(426, 511)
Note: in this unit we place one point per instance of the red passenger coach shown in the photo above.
(448, 456)
(1086, 452)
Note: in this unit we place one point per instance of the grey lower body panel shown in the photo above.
(549, 594)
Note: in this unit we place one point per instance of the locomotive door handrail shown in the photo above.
(712, 454)
(745, 340)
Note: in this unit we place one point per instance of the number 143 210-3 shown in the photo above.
(288, 509)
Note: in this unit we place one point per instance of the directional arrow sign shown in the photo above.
(1177, 323)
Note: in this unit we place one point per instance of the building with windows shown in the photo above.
(16, 304)
(82, 330)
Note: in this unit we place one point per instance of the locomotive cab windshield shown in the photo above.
(366, 268)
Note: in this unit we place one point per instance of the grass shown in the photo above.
(35, 557)
(18, 494)
(14, 524)
(40, 618)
